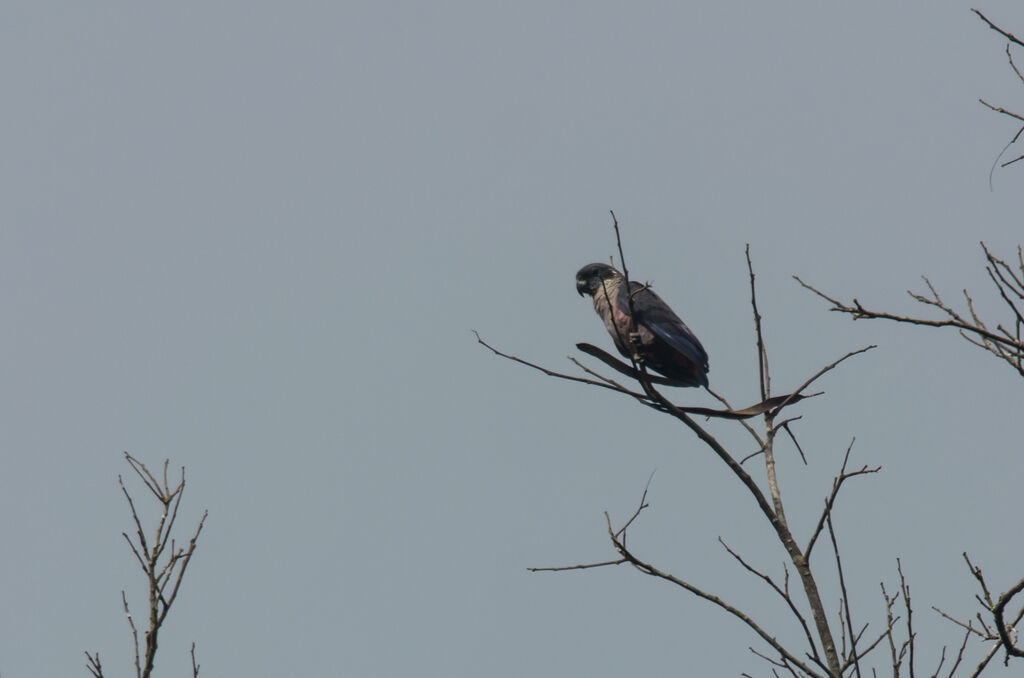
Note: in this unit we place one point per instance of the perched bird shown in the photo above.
(666, 344)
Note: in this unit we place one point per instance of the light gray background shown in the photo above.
(254, 237)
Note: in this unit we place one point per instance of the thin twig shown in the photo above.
(93, 664)
(135, 633)
(784, 593)
(764, 377)
(1000, 109)
(1009, 36)
(911, 636)
(583, 566)
(552, 373)
(846, 597)
(837, 483)
(959, 655)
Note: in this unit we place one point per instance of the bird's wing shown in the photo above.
(654, 314)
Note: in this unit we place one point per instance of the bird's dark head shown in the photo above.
(590, 277)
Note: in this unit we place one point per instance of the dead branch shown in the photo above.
(911, 636)
(621, 532)
(830, 500)
(162, 561)
(959, 656)
(1006, 343)
(93, 664)
(1005, 632)
(653, 571)
(998, 612)
(582, 566)
(845, 616)
(890, 622)
(784, 594)
(764, 376)
(1009, 36)
(557, 375)
(998, 109)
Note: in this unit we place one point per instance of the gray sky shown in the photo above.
(254, 237)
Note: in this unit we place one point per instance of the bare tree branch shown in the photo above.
(653, 571)
(784, 594)
(959, 656)
(911, 636)
(1013, 40)
(853, 656)
(830, 500)
(1009, 36)
(764, 376)
(93, 664)
(999, 610)
(999, 109)
(582, 566)
(162, 561)
(1004, 344)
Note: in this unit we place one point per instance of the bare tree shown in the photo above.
(162, 560)
(834, 643)
(1005, 341)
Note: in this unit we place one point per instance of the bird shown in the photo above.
(665, 345)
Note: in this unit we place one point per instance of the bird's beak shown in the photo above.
(581, 286)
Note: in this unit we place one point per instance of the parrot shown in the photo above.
(666, 345)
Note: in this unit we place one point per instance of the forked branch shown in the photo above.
(162, 561)
(1012, 40)
(1005, 341)
(1004, 632)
